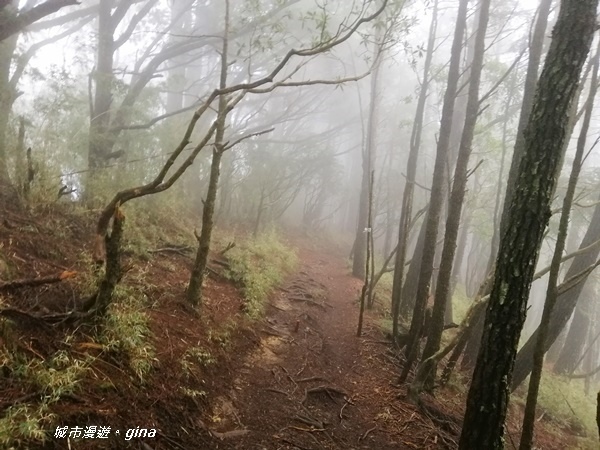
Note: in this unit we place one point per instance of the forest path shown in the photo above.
(312, 383)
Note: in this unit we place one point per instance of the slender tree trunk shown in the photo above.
(526, 222)
(536, 49)
(369, 157)
(500, 184)
(411, 171)
(194, 290)
(100, 139)
(434, 336)
(437, 188)
(409, 289)
(461, 250)
(8, 96)
(363, 294)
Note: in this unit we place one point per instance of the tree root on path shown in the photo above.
(330, 391)
(310, 302)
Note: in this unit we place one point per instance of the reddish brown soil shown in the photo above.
(298, 379)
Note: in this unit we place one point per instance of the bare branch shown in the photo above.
(248, 136)
(23, 19)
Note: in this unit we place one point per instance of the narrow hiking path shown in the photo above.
(311, 383)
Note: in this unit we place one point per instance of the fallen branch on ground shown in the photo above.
(330, 391)
(185, 251)
(32, 282)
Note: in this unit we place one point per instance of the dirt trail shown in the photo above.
(311, 383)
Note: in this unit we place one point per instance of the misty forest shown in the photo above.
(299, 224)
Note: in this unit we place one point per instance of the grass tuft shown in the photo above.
(259, 265)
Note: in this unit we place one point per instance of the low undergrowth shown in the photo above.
(564, 401)
(259, 266)
(126, 331)
(47, 381)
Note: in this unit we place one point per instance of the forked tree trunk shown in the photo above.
(526, 222)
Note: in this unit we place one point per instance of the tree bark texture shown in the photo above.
(526, 221)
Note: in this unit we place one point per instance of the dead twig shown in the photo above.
(293, 444)
(319, 425)
(346, 403)
(366, 433)
(277, 391)
(184, 251)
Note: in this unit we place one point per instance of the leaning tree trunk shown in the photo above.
(437, 189)
(565, 304)
(552, 291)
(526, 222)
(570, 354)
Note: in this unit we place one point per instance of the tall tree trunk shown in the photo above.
(368, 162)
(8, 96)
(181, 22)
(565, 304)
(552, 292)
(427, 370)
(100, 139)
(409, 289)
(437, 189)
(526, 222)
(461, 250)
(194, 289)
(498, 200)
(407, 198)
(536, 49)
